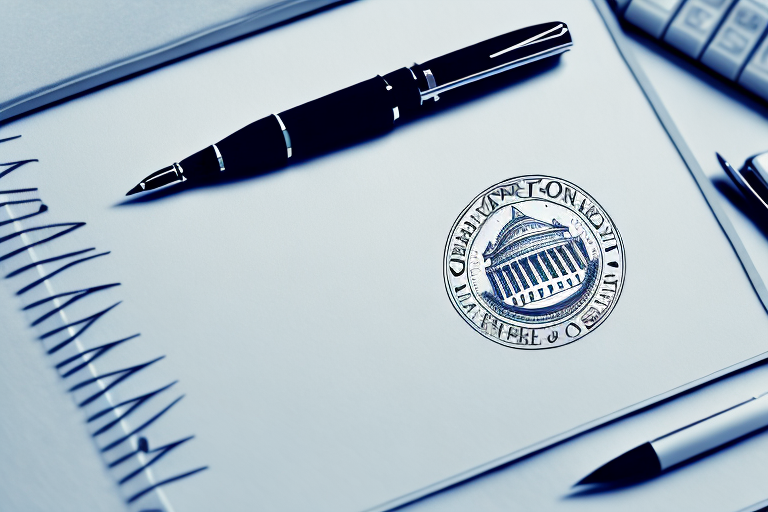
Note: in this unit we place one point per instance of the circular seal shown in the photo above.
(534, 262)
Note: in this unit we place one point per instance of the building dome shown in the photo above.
(534, 264)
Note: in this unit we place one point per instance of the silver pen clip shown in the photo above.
(491, 57)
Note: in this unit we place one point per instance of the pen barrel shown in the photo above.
(344, 117)
(711, 432)
(252, 150)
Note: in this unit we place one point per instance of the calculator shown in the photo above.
(726, 36)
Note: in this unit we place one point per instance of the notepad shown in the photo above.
(297, 348)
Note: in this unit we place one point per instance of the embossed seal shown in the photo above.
(534, 262)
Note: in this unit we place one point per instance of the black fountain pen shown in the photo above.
(358, 112)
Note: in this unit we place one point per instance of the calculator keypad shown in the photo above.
(737, 37)
(755, 74)
(653, 16)
(695, 25)
(727, 36)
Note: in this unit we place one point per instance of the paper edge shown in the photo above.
(554, 440)
(702, 181)
(755, 507)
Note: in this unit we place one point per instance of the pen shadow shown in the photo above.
(448, 102)
(710, 77)
(178, 188)
(596, 489)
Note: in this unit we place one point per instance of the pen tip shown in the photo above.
(134, 190)
(591, 478)
(637, 464)
(720, 159)
(161, 178)
(728, 168)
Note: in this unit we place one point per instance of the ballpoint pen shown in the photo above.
(359, 112)
(751, 179)
(652, 458)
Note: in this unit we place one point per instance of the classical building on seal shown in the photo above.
(535, 264)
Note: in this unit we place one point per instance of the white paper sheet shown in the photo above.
(304, 313)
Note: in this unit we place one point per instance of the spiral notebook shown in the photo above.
(286, 342)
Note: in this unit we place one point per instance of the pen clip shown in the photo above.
(491, 57)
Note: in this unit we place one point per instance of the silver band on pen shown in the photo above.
(395, 109)
(285, 135)
(218, 157)
(431, 83)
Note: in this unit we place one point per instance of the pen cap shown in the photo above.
(497, 54)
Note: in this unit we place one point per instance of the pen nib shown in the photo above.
(637, 464)
(165, 176)
(725, 165)
(135, 190)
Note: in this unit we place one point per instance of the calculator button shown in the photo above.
(755, 74)
(694, 25)
(737, 36)
(652, 16)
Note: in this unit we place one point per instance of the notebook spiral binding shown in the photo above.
(72, 332)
